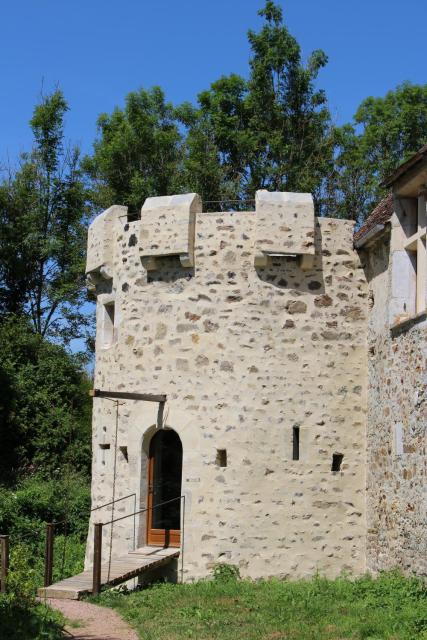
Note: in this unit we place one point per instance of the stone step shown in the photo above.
(121, 569)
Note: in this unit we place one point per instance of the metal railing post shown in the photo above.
(182, 538)
(48, 554)
(4, 570)
(97, 555)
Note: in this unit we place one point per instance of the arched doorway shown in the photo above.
(164, 484)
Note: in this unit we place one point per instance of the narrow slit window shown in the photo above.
(337, 459)
(104, 451)
(109, 324)
(221, 457)
(295, 443)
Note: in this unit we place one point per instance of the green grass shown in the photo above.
(389, 607)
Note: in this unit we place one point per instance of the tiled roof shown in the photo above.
(381, 214)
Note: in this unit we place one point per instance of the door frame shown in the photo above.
(159, 537)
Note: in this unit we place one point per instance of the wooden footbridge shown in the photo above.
(119, 570)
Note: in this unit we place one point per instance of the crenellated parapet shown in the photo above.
(284, 227)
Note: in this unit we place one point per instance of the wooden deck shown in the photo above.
(123, 568)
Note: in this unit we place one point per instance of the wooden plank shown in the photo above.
(122, 395)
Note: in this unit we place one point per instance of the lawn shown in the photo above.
(389, 607)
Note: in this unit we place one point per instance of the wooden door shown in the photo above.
(164, 486)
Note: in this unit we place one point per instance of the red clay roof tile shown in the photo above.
(381, 214)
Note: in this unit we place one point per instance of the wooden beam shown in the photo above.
(121, 395)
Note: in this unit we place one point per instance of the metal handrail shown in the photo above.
(50, 537)
(107, 504)
(4, 562)
(160, 504)
(97, 551)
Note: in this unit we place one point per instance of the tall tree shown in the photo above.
(271, 131)
(289, 118)
(44, 406)
(137, 153)
(385, 132)
(43, 217)
(217, 141)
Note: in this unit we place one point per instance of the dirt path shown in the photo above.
(90, 622)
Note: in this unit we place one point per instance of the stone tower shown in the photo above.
(253, 328)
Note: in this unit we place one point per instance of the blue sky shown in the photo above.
(98, 51)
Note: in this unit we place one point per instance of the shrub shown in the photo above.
(21, 619)
(223, 572)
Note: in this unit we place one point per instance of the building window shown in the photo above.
(109, 331)
(415, 247)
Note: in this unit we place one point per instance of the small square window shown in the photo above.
(337, 459)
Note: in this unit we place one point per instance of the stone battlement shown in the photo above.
(284, 227)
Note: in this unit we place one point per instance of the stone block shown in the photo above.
(100, 254)
(285, 226)
(168, 227)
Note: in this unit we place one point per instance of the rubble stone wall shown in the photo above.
(244, 354)
(397, 420)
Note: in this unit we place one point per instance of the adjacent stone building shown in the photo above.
(392, 246)
(260, 384)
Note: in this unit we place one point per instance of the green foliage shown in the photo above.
(45, 414)
(137, 153)
(44, 408)
(271, 130)
(223, 572)
(37, 500)
(21, 617)
(390, 607)
(42, 230)
(385, 132)
(289, 119)
(24, 512)
(27, 562)
(26, 620)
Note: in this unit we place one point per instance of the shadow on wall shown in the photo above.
(286, 273)
(169, 269)
(376, 262)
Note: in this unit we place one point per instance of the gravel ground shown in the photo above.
(90, 622)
